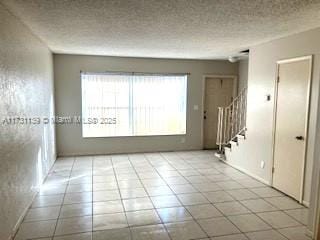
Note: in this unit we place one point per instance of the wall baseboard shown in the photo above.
(248, 173)
(306, 203)
(309, 233)
(25, 211)
(127, 152)
(20, 219)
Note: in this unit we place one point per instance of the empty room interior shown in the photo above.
(159, 120)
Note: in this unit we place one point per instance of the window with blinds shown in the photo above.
(127, 104)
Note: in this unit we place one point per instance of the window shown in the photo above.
(129, 104)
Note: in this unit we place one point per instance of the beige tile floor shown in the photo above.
(167, 195)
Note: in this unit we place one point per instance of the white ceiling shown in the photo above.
(190, 29)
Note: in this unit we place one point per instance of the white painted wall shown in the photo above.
(243, 74)
(68, 102)
(26, 89)
(262, 72)
(315, 184)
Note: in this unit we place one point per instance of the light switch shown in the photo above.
(195, 107)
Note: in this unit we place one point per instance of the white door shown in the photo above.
(218, 93)
(291, 125)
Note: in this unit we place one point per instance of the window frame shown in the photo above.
(138, 74)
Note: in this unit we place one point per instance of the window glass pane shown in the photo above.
(159, 104)
(133, 105)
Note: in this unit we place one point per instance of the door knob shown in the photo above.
(300, 138)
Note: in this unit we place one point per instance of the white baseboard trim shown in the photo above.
(248, 173)
(306, 203)
(309, 233)
(61, 155)
(15, 229)
(20, 219)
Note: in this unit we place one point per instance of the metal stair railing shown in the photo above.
(232, 120)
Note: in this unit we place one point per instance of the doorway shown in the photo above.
(291, 125)
(219, 92)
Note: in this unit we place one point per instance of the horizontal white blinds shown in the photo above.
(133, 105)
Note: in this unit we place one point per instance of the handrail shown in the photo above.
(232, 119)
(241, 93)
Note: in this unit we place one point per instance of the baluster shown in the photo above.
(237, 117)
(245, 107)
(218, 142)
(240, 115)
(221, 126)
(241, 110)
(232, 121)
(225, 126)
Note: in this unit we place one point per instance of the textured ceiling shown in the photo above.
(191, 29)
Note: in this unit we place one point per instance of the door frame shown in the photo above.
(234, 94)
(307, 114)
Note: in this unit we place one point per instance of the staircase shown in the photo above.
(232, 124)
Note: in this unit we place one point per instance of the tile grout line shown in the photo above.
(227, 217)
(144, 187)
(124, 210)
(169, 185)
(223, 215)
(92, 171)
(195, 220)
(254, 213)
(57, 221)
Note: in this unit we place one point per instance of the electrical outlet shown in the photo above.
(183, 140)
(195, 107)
(268, 97)
(262, 164)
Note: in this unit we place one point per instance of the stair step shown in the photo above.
(227, 147)
(234, 142)
(240, 136)
(220, 155)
